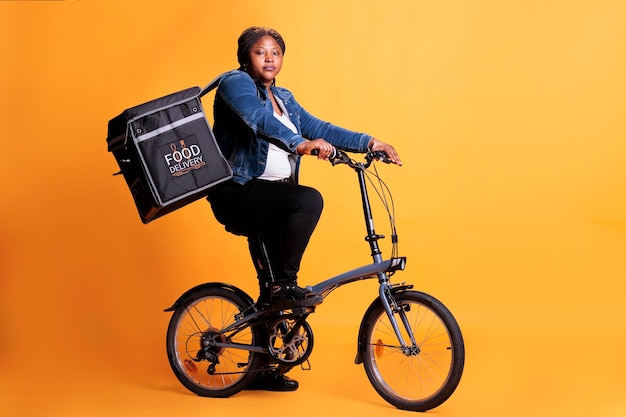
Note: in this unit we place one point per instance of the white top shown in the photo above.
(277, 166)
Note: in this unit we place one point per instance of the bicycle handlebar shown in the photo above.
(340, 157)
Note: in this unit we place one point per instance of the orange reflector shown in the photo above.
(378, 350)
(190, 366)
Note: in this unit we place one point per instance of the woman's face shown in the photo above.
(266, 60)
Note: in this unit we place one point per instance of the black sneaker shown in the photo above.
(272, 381)
(288, 296)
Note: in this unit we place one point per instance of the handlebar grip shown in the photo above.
(333, 155)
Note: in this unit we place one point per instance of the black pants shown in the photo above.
(284, 214)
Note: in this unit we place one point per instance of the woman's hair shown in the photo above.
(251, 36)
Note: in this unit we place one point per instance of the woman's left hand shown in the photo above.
(376, 145)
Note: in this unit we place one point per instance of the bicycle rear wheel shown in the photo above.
(423, 376)
(201, 367)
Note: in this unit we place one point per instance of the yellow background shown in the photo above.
(509, 117)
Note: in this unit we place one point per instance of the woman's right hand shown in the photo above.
(324, 149)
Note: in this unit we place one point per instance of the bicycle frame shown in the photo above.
(378, 269)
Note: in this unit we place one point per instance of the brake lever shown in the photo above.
(380, 156)
(337, 157)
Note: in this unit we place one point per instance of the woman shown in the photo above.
(263, 131)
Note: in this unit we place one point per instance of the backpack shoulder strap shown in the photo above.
(210, 86)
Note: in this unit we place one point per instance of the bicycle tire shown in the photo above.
(426, 377)
(204, 311)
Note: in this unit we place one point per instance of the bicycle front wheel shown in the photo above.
(201, 367)
(423, 375)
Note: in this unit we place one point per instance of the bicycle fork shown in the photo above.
(391, 307)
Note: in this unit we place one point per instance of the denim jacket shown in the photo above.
(244, 125)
